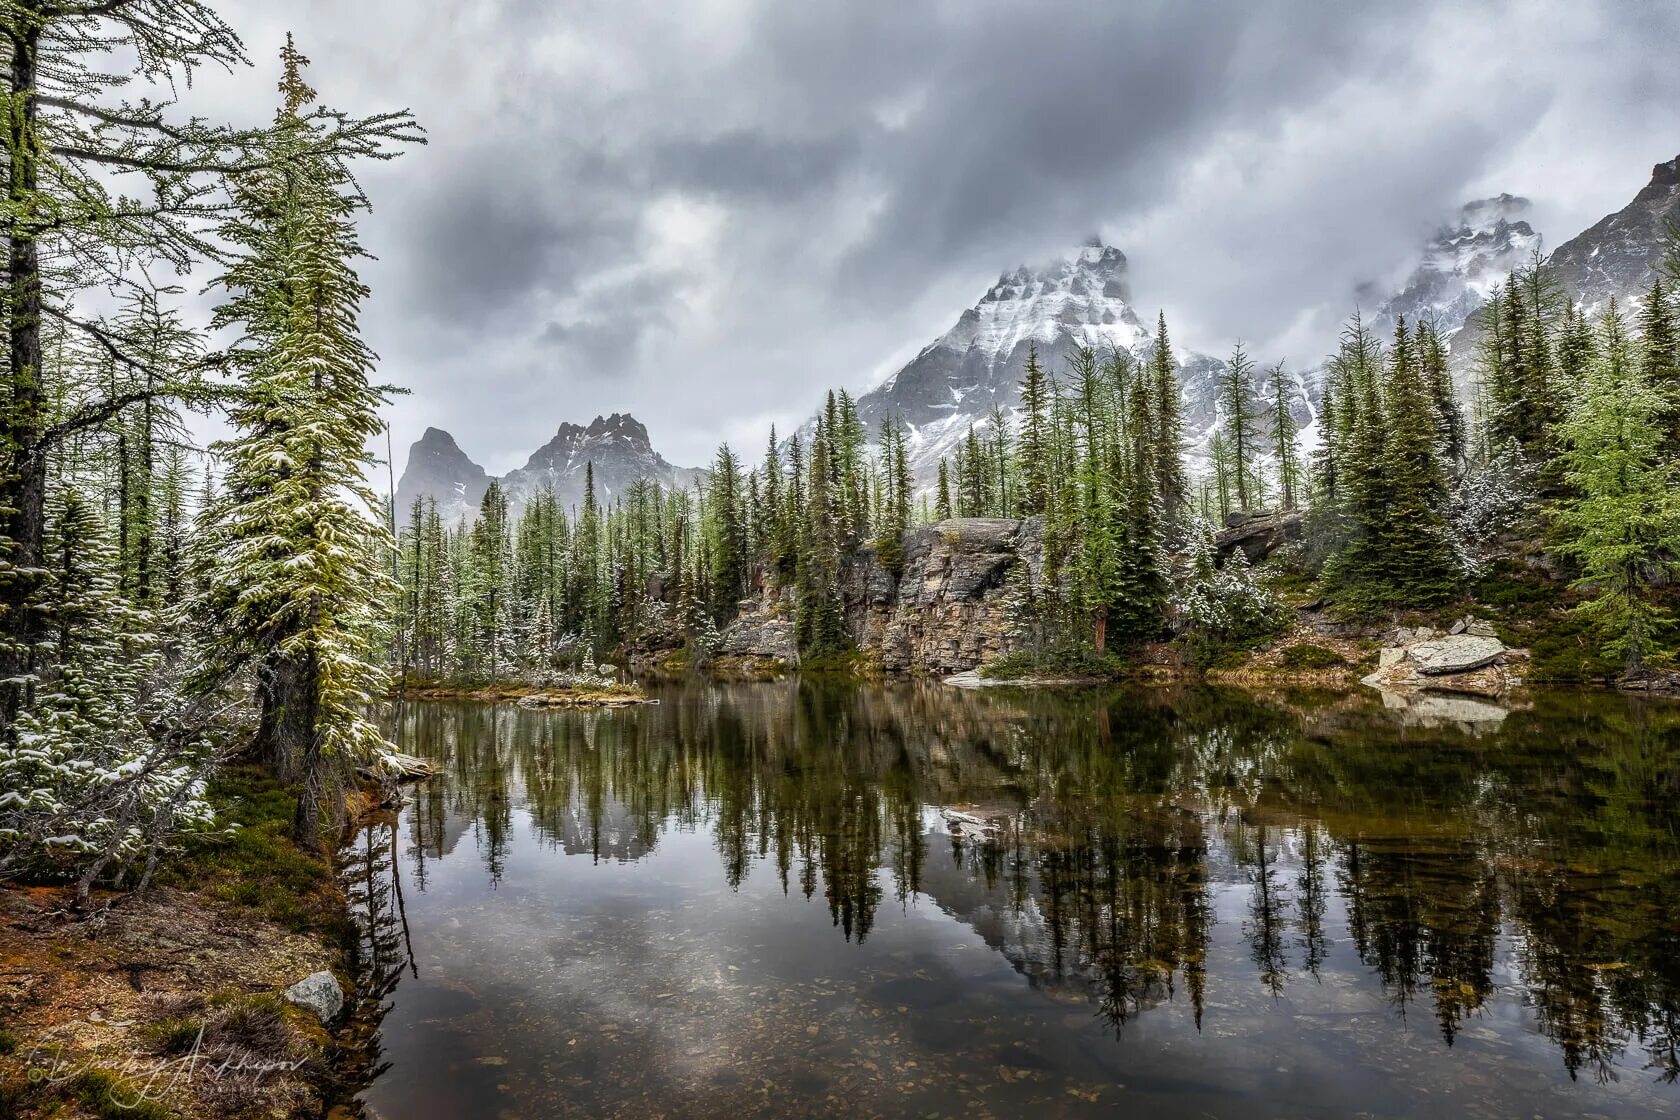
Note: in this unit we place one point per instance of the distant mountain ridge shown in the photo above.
(1614, 258)
(617, 446)
(1085, 298)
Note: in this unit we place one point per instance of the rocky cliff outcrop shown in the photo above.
(961, 596)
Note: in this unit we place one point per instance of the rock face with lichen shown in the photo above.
(764, 635)
(963, 595)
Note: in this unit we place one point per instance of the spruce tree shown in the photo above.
(726, 534)
(1418, 566)
(1238, 415)
(1285, 448)
(1033, 448)
(942, 503)
(1166, 425)
(1660, 359)
(821, 624)
(1098, 581)
(1140, 602)
(1437, 376)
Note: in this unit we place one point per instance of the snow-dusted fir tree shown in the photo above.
(292, 563)
(1623, 523)
(1222, 607)
(98, 774)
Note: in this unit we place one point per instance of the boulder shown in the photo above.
(1452, 653)
(1258, 534)
(319, 994)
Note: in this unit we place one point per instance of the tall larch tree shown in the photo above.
(1622, 522)
(292, 564)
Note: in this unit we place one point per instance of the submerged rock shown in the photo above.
(319, 994)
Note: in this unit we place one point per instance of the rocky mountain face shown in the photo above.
(1616, 258)
(1086, 299)
(1466, 259)
(617, 446)
(1620, 253)
(438, 469)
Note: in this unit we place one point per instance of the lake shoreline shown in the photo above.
(531, 696)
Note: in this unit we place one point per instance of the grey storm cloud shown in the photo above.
(708, 213)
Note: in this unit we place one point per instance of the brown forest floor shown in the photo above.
(168, 1004)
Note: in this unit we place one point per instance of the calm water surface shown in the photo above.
(796, 899)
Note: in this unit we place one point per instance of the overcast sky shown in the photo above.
(706, 212)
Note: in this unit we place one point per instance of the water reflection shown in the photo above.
(1304, 881)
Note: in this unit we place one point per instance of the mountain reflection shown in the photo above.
(1101, 841)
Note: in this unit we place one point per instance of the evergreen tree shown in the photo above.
(489, 588)
(1660, 359)
(1437, 376)
(1419, 566)
(942, 506)
(1238, 416)
(1166, 424)
(726, 534)
(1139, 606)
(1033, 452)
(1285, 448)
(821, 623)
(1099, 583)
(103, 773)
(291, 565)
(1623, 523)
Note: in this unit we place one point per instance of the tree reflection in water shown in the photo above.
(1546, 845)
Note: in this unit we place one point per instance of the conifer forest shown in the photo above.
(1220, 701)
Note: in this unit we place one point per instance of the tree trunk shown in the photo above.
(285, 693)
(1100, 638)
(23, 488)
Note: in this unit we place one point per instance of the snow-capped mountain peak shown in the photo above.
(1466, 259)
(1085, 292)
(1081, 298)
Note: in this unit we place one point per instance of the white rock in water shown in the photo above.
(319, 994)
(1389, 656)
(1455, 654)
